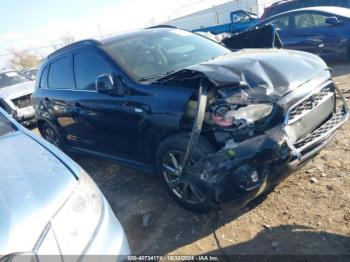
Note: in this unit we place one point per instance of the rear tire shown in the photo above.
(169, 156)
(50, 135)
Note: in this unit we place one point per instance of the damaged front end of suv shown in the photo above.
(267, 111)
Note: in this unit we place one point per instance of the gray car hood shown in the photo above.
(17, 90)
(276, 71)
(33, 186)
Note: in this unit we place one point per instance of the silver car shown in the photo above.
(48, 204)
(15, 92)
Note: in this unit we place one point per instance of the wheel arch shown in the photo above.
(41, 122)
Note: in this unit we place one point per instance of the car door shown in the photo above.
(313, 34)
(55, 92)
(105, 120)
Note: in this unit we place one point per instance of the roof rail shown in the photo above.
(91, 42)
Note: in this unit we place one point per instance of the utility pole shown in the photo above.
(99, 30)
(216, 15)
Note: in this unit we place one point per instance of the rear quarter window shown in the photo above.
(43, 78)
(58, 74)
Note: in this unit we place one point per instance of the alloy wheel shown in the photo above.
(180, 182)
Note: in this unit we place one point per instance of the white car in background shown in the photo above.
(15, 92)
(49, 205)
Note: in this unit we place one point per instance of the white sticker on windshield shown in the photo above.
(180, 32)
(11, 74)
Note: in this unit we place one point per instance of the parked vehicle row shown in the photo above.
(53, 207)
(217, 126)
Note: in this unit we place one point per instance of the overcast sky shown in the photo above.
(30, 24)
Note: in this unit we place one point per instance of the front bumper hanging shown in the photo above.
(237, 175)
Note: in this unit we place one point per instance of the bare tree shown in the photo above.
(67, 39)
(22, 60)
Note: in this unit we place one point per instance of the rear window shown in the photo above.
(309, 20)
(58, 74)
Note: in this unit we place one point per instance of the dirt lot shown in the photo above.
(309, 213)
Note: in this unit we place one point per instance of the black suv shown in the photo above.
(217, 126)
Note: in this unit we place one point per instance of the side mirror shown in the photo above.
(104, 83)
(333, 20)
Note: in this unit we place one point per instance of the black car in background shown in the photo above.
(288, 5)
(217, 126)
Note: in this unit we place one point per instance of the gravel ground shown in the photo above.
(309, 213)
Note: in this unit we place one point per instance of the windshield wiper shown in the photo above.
(156, 76)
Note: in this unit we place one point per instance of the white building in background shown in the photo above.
(208, 13)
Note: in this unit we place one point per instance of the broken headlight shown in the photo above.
(252, 113)
(227, 115)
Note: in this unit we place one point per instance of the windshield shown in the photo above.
(11, 78)
(157, 52)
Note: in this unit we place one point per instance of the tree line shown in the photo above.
(24, 59)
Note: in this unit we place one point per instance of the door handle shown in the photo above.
(130, 107)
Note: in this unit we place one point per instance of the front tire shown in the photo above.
(168, 159)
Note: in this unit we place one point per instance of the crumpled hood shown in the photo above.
(17, 90)
(278, 71)
(33, 186)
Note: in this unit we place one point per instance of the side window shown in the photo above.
(281, 23)
(43, 79)
(58, 74)
(88, 65)
(310, 20)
